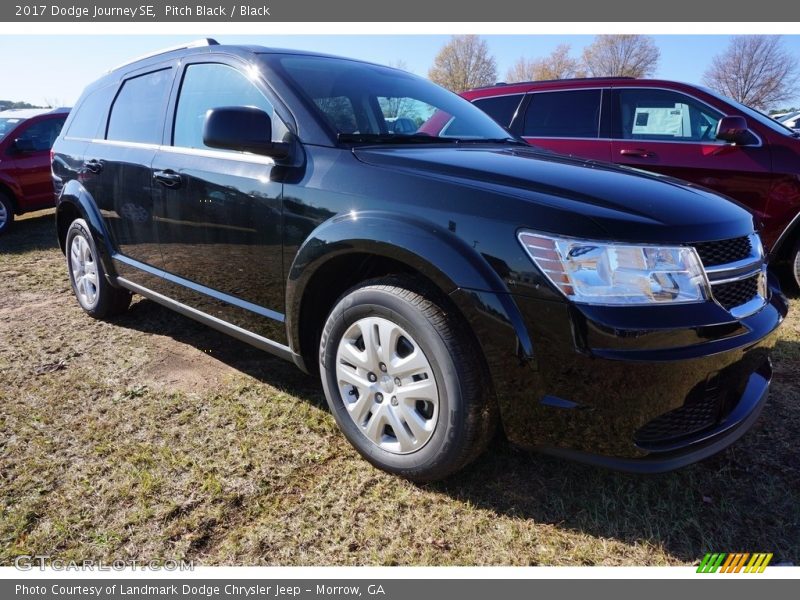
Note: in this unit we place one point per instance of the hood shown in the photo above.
(627, 204)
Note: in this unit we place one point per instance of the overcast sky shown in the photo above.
(48, 68)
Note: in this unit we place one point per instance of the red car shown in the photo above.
(677, 129)
(26, 184)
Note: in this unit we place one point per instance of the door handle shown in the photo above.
(638, 152)
(94, 165)
(168, 178)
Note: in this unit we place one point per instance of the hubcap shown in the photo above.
(84, 271)
(406, 422)
(3, 214)
(797, 267)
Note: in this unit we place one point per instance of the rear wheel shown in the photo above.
(94, 294)
(6, 213)
(404, 381)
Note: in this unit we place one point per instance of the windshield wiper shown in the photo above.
(392, 138)
(508, 140)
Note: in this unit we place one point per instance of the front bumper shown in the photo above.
(644, 390)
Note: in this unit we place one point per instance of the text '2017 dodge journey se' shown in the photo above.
(438, 284)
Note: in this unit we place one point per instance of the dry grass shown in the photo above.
(155, 437)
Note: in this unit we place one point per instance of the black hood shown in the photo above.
(624, 203)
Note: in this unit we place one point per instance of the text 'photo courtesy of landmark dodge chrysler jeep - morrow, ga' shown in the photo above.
(441, 286)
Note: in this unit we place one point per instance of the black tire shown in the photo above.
(106, 301)
(794, 265)
(466, 410)
(6, 213)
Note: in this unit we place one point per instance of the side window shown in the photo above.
(138, 110)
(649, 114)
(43, 134)
(500, 108)
(212, 85)
(567, 114)
(89, 118)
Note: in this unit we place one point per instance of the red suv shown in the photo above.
(26, 136)
(676, 129)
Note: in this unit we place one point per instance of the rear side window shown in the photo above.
(206, 86)
(89, 118)
(138, 111)
(500, 108)
(567, 114)
(43, 134)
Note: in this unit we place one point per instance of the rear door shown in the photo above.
(670, 132)
(117, 167)
(567, 122)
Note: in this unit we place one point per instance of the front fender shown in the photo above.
(74, 198)
(436, 253)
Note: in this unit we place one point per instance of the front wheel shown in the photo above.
(795, 264)
(95, 295)
(404, 381)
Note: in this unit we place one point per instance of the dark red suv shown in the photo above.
(26, 136)
(677, 129)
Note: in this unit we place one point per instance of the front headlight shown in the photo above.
(608, 273)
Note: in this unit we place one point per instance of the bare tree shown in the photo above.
(756, 70)
(558, 65)
(464, 63)
(621, 56)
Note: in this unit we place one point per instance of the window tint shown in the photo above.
(43, 134)
(649, 114)
(500, 108)
(139, 107)
(207, 86)
(89, 118)
(568, 114)
(339, 112)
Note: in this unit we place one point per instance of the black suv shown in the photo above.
(438, 283)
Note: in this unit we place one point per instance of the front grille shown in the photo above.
(736, 293)
(726, 251)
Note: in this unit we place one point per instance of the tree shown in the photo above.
(558, 65)
(464, 63)
(621, 56)
(756, 70)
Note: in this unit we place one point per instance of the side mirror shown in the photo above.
(242, 128)
(734, 130)
(24, 146)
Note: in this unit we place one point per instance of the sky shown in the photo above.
(52, 69)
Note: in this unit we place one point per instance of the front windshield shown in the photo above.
(753, 113)
(8, 124)
(363, 101)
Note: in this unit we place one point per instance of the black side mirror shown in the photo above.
(24, 145)
(242, 128)
(734, 130)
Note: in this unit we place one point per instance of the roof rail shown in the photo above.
(501, 83)
(194, 44)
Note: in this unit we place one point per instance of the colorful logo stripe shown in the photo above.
(734, 562)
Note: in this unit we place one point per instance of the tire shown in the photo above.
(794, 265)
(6, 213)
(445, 416)
(88, 279)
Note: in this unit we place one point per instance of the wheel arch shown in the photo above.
(349, 249)
(75, 202)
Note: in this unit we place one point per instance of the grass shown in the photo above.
(156, 438)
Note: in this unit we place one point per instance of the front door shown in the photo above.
(220, 224)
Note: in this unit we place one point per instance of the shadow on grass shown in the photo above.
(745, 499)
(29, 233)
